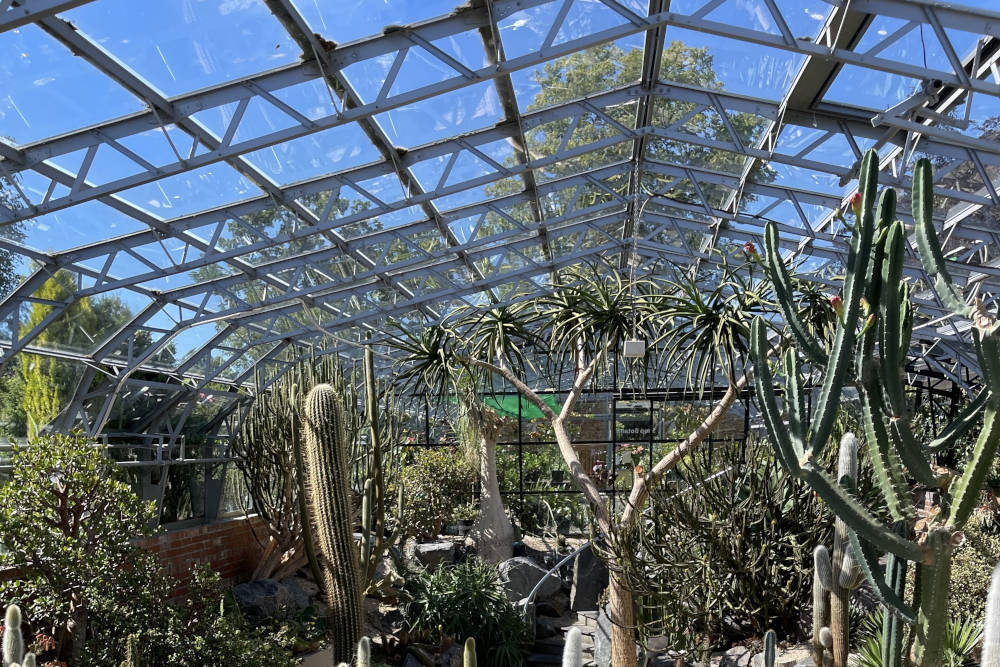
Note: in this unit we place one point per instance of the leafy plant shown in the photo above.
(67, 521)
(437, 482)
(735, 534)
(962, 636)
(467, 600)
(207, 629)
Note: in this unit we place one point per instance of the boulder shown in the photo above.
(262, 598)
(556, 605)
(590, 578)
(737, 656)
(799, 654)
(519, 576)
(602, 640)
(301, 591)
(433, 554)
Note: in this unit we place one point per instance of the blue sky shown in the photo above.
(179, 46)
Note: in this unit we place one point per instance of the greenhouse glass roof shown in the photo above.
(220, 186)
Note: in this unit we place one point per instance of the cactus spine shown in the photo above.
(13, 642)
(871, 342)
(991, 630)
(326, 458)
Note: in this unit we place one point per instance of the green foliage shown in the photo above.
(437, 482)
(962, 636)
(67, 521)
(467, 600)
(207, 629)
(971, 567)
(739, 544)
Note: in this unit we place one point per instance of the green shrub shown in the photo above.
(467, 600)
(436, 483)
(736, 535)
(67, 520)
(971, 568)
(207, 629)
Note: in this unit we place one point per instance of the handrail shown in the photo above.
(531, 595)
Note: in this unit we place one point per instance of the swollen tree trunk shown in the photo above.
(493, 532)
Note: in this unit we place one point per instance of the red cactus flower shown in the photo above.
(855, 202)
(838, 305)
(750, 249)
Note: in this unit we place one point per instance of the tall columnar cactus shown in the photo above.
(991, 629)
(834, 578)
(573, 650)
(770, 648)
(869, 349)
(13, 642)
(327, 465)
(469, 653)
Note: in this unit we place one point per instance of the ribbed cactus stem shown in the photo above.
(326, 458)
(770, 648)
(845, 571)
(991, 630)
(573, 650)
(822, 581)
(364, 653)
(932, 615)
(469, 656)
(13, 643)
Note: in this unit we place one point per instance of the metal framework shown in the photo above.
(428, 220)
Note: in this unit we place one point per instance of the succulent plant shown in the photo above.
(327, 465)
(869, 348)
(13, 642)
(573, 650)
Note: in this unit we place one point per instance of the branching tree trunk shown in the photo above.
(621, 605)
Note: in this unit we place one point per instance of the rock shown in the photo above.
(737, 656)
(411, 661)
(590, 578)
(602, 640)
(786, 657)
(556, 605)
(262, 598)
(433, 554)
(300, 592)
(519, 576)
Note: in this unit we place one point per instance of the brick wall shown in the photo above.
(229, 546)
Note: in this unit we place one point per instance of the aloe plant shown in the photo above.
(869, 348)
